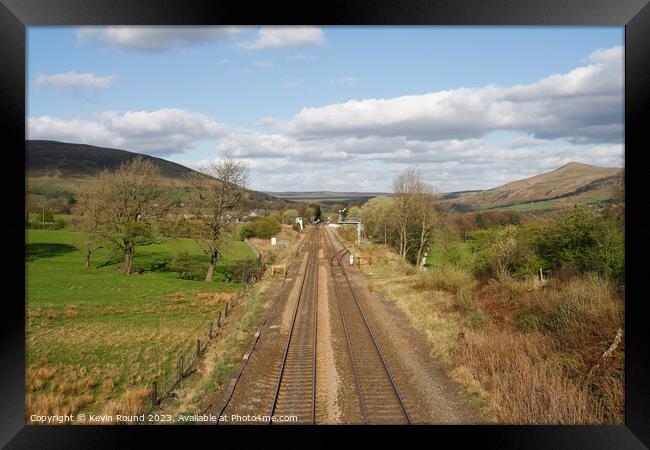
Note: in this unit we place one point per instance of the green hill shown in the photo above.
(58, 169)
(570, 184)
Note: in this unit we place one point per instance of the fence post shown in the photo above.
(154, 393)
(218, 319)
(198, 348)
(225, 312)
(180, 372)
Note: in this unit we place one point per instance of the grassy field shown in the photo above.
(435, 256)
(97, 337)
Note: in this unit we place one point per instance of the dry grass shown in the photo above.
(132, 400)
(129, 404)
(58, 390)
(519, 376)
(527, 352)
(446, 278)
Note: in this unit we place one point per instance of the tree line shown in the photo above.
(120, 208)
(502, 243)
(408, 220)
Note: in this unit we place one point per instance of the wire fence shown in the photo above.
(189, 357)
(254, 249)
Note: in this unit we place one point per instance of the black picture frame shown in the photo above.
(634, 15)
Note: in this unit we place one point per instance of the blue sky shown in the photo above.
(337, 108)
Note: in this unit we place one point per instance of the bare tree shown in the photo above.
(119, 206)
(90, 208)
(425, 216)
(213, 196)
(415, 213)
(403, 187)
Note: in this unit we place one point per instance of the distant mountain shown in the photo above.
(61, 159)
(63, 167)
(570, 184)
(326, 198)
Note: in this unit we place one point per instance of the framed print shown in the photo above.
(410, 218)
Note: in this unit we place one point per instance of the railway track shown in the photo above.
(288, 386)
(379, 398)
(295, 391)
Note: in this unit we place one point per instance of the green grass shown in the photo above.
(520, 206)
(96, 325)
(459, 251)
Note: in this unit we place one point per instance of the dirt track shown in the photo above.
(352, 385)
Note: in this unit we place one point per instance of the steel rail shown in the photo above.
(313, 379)
(362, 403)
(339, 255)
(287, 345)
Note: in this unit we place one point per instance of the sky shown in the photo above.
(337, 108)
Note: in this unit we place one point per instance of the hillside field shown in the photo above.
(96, 336)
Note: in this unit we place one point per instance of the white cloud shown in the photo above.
(164, 131)
(280, 162)
(74, 80)
(280, 37)
(154, 38)
(267, 122)
(583, 105)
(361, 145)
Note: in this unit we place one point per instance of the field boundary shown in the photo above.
(187, 362)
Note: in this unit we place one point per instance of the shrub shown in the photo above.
(289, 216)
(240, 271)
(528, 322)
(587, 307)
(506, 290)
(477, 318)
(447, 278)
(503, 250)
(296, 227)
(60, 223)
(261, 227)
(48, 216)
(521, 382)
(583, 241)
(186, 267)
(465, 299)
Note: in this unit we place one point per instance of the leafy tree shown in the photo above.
(378, 217)
(289, 216)
(584, 241)
(315, 211)
(505, 250)
(48, 215)
(261, 227)
(354, 212)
